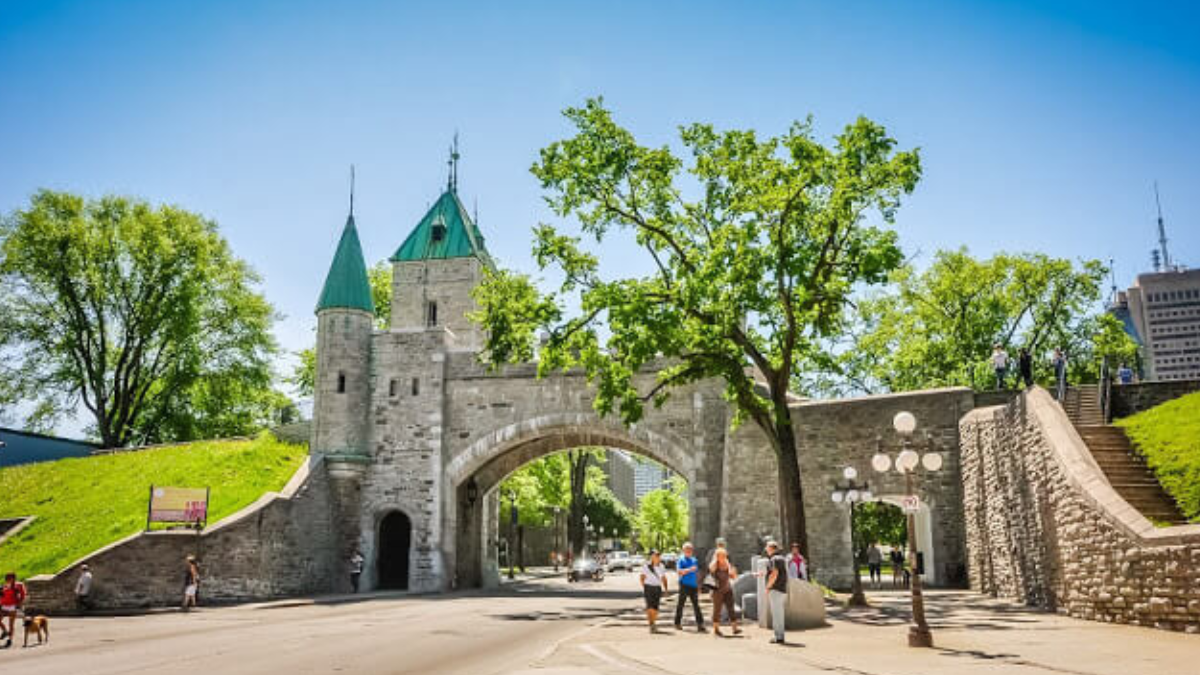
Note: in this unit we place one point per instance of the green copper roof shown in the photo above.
(346, 286)
(446, 231)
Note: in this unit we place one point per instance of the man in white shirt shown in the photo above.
(999, 364)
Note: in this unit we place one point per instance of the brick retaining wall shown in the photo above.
(1128, 399)
(1045, 527)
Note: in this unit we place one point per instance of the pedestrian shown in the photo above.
(1025, 365)
(1125, 374)
(723, 573)
(356, 567)
(999, 364)
(797, 566)
(1060, 374)
(688, 570)
(12, 600)
(654, 584)
(897, 559)
(191, 583)
(875, 564)
(777, 592)
(83, 588)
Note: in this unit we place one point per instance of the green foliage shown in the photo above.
(87, 503)
(936, 328)
(662, 517)
(604, 510)
(878, 522)
(141, 313)
(1111, 343)
(750, 277)
(1168, 436)
(304, 374)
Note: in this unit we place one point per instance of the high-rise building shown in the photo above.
(648, 476)
(618, 468)
(1163, 310)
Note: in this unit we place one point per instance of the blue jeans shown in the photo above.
(778, 600)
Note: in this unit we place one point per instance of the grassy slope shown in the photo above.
(1169, 436)
(87, 503)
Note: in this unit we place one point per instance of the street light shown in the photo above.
(557, 527)
(851, 492)
(512, 527)
(906, 462)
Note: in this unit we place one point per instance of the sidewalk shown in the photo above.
(972, 634)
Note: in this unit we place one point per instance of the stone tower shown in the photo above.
(342, 396)
(435, 270)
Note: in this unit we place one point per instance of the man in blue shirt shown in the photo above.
(688, 569)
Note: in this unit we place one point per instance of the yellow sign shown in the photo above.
(178, 505)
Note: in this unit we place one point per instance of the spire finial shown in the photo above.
(1162, 232)
(351, 190)
(452, 163)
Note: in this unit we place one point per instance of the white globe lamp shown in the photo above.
(932, 461)
(881, 462)
(904, 422)
(907, 461)
(850, 473)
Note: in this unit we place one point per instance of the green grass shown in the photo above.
(87, 503)
(1169, 437)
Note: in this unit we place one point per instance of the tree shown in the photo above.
(1111, 344)
(662, 516)
(304, 374)
(936, 328)
(749, 276)
(878, 522)
(141, 313)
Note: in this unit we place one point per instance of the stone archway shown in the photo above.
(393, 550)
(481, 467)
(923, 524)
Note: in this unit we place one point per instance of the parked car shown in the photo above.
(585, 569)
(619, 560)
(636, 561)
(669, 560)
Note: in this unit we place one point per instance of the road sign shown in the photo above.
(910, 503)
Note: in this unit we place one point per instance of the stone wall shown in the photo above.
(1044, 526)
(282, 545)
(1128, 399)
(832, 435)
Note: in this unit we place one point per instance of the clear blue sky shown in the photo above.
(1043, 124)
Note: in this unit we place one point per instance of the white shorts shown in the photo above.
(5, 610)
(190, 590)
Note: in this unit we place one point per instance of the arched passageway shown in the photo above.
(392, 552)
(475, 485)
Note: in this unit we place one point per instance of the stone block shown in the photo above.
(805, 605)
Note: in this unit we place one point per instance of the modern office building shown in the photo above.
(1163, 310)
(618, 467)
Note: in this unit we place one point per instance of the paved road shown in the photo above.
(549, 627)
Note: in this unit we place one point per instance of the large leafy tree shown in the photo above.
(662, 516)
(754, 246)
(936, 327)
(573, 482)
(140, 313)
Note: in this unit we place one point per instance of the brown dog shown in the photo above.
(40, 624)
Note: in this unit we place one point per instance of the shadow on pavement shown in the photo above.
(945, 610)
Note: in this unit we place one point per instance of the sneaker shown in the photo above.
(700, 629)
(678, 626)
(776, 641)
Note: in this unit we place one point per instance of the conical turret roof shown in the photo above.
(346, 286)
(446, 231)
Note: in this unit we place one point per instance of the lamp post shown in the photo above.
(512, 527)
(851, 493)
(557, 511)
(906, 463)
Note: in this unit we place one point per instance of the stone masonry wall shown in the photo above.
(1044, 526)
(1128, 399)
(282, 545)
(449, 283)
(832, 435)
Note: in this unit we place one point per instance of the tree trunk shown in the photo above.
(576, 534)
(791, 491)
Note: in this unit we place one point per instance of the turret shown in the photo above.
(345, 320)
(435, 270)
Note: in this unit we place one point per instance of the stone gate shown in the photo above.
(416, 433)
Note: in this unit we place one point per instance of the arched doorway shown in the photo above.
(923, 524)
(391, 558)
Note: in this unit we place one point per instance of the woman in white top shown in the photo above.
(654, 584)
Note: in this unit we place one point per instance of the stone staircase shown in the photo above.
(1125, 469)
